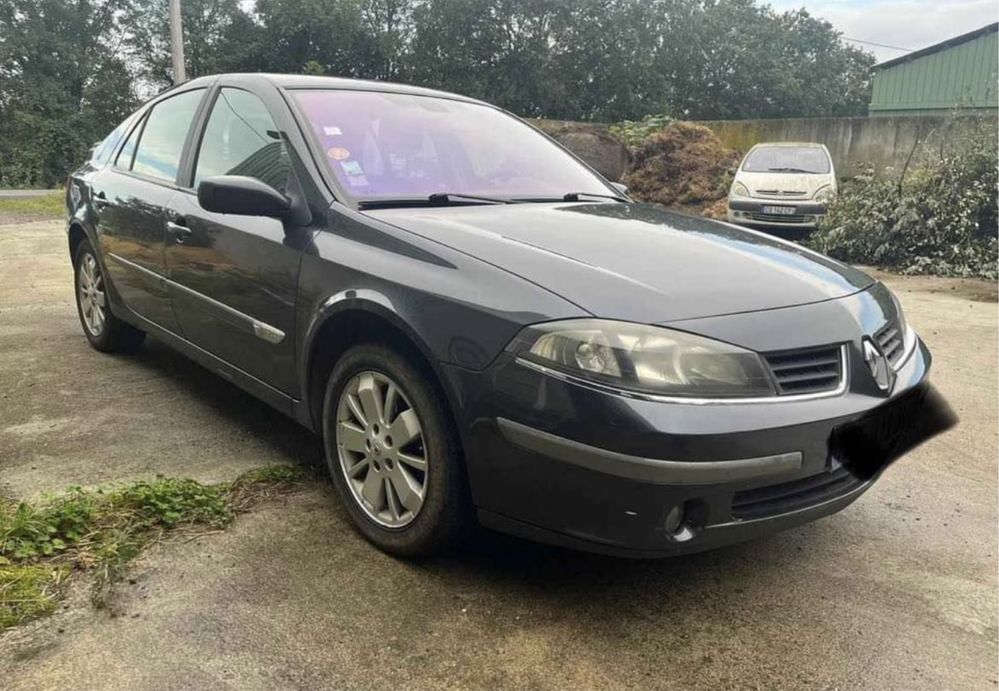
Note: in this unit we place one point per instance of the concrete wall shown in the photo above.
(883, 141)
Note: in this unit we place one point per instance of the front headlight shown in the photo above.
(646, 359)
(908, 335)
(739, 190)
(825, 194)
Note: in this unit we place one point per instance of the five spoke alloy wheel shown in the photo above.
(381, 448)
(90, 289)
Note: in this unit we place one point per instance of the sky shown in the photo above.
(911, 24)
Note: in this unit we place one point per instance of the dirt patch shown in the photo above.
(685, 166)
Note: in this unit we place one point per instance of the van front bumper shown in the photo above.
(753, 213)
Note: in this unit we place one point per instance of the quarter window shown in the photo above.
(242, 139)
(124, 159)
(162, 140)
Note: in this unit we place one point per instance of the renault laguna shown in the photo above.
(482, 329)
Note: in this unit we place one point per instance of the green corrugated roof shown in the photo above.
(962, 71)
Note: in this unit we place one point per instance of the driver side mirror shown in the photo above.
(243, 195)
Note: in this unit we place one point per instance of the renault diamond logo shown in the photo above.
(883, 374)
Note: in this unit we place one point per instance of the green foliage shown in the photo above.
(938, 216)
(27, 591)
(44, 206)
(634, 132)
(103, 529)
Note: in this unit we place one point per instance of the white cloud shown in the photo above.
(910, 24)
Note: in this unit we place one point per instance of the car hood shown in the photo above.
(765, 184)
(635, 262)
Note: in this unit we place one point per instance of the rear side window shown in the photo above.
(162, 141)
(124, 160)
(102, 152)
(242, 139)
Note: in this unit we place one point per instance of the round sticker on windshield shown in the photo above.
(338, 153)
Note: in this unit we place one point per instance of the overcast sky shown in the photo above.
(910, 24)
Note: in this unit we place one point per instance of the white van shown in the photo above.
(782, 184)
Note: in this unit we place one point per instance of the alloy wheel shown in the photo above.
(90, 292)
(381, 449)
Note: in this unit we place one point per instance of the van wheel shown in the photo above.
(103, 330)
(392, 453)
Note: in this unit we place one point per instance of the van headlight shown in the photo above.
(825, 194)
(739, 190)
(644, 359)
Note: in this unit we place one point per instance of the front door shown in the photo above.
(234, 278)
(130, 199)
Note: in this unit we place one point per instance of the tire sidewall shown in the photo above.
(101, 342)
(433, 526)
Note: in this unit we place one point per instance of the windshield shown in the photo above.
(385, 145)
(786, 159)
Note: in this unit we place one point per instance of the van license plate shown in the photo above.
(779, 210)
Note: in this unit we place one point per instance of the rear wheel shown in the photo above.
(103, 330)
(392, 453)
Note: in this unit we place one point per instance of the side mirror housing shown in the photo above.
(243, 195)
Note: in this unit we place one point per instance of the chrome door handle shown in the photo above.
(180, 232)
(100, 201)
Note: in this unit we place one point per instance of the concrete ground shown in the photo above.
(897, 591)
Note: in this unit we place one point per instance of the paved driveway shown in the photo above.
(898, 591)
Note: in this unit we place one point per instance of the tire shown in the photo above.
(444, 517)
(107, 333)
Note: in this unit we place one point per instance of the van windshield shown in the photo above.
(388, 145)
(786, 159)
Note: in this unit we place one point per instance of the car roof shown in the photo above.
(816, 145)
(306, 81)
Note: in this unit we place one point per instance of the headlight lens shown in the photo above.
(908, 335)
(825, 194)
(739, 190)
(641, 358)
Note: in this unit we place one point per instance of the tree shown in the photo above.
(62, 85)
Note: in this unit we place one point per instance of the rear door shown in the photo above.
(234, 278)
(130, 198)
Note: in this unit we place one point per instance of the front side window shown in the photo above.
(786, 159)
(386, 145)
(162, 141)
(242, 139)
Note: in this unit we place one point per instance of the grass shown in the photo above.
(100, 530)
(49, 205)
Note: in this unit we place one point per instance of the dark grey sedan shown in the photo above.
(482, 328)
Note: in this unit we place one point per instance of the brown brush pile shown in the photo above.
(685, 166)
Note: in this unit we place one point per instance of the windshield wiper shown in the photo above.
(574, 196)
(446, 197)
(436, 199)
(788, 170)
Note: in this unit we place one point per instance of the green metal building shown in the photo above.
(962, 72)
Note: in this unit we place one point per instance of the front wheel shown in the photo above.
(103, 330)
(392, 453)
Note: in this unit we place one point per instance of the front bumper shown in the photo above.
(558, 462)
(751, 212)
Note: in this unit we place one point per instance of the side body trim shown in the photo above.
(260, 329)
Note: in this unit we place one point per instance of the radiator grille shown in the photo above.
(808, 370)
(779, 218)
(890, 341)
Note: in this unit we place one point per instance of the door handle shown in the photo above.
(100, 200)
(179, 231)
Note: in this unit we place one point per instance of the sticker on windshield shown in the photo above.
(332, 131)
(338, 153)
(355, 174)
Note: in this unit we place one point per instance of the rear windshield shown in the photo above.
(386, 145)
(786, 159)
